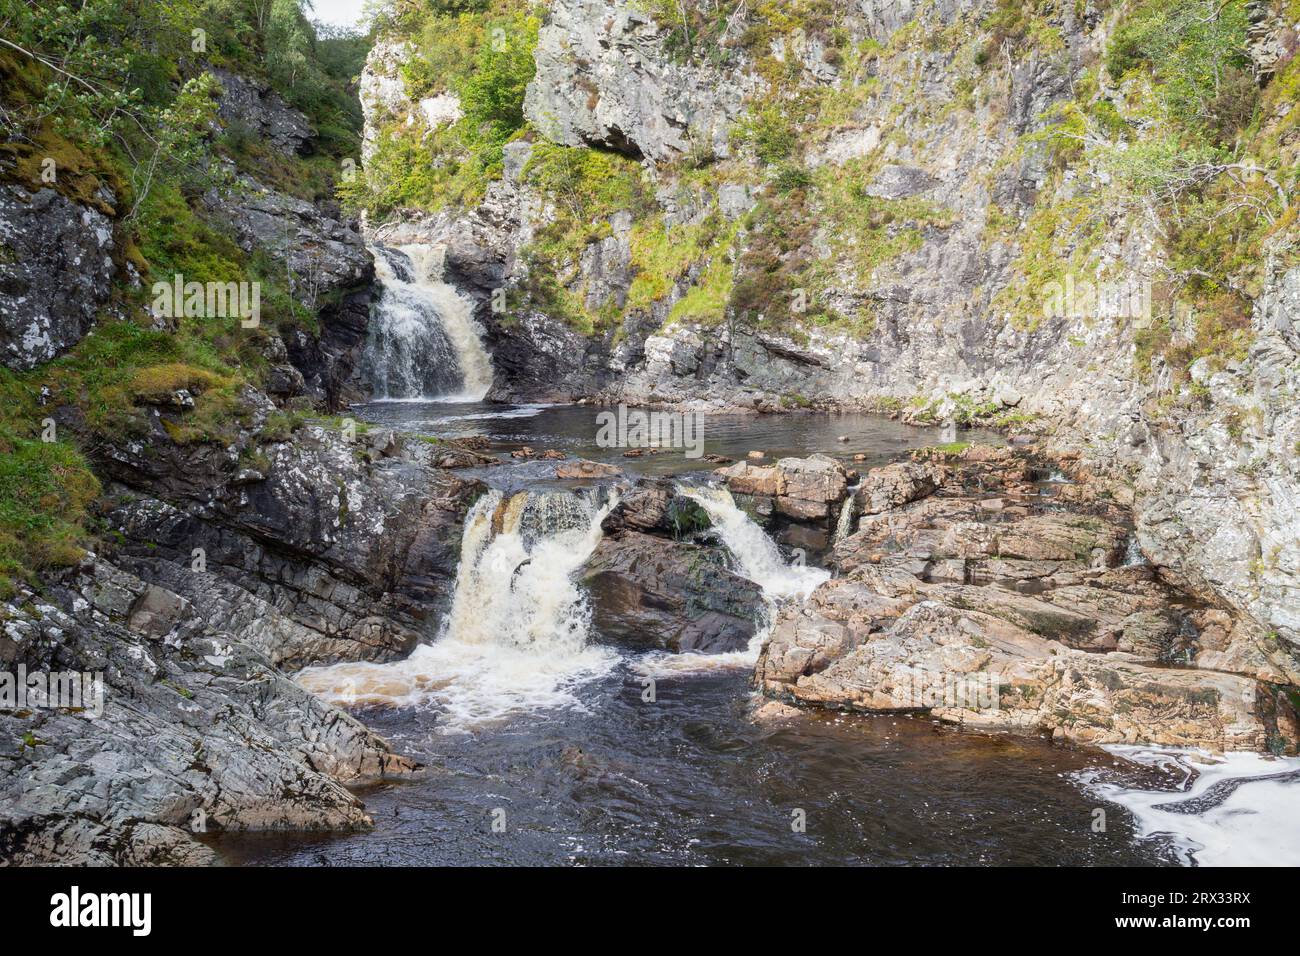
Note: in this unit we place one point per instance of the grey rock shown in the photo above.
(604, 79)
(261, 111)
(195, 731)
(650, 592)
(56, 273)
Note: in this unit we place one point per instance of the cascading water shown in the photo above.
(424, 343)
(759, 558)
(516, 636)
(848, 513)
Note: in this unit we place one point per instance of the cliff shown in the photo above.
(1043, 217)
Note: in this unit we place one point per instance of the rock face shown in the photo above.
(1219, 484)
(56, 271)
(1019, 617)
(331, 273)
(261, 112)
(196, 730)
(605, 79)
(657, 582)
(335, 550)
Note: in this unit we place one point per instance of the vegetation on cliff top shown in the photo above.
(121, 94)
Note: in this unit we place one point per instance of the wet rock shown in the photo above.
(653, 506)
(582, 468)
(978, 670)
(649, 592)
(454, 454)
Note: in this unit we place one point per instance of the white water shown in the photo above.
(760, 560)
(844, 526)
(1209, 822)
(516, 636)
(424, 343)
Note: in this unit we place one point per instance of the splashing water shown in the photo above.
(424, 343)
(516, 636)
(760, 560)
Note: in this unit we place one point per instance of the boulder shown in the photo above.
(803, 489)
(744, 478)
(817, 478)
(583, 468)
(891, 486)
(653, 506)
(649, 592)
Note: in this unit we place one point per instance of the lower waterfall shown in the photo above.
(516, 636)
(423, 342)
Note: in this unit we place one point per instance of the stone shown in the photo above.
(817, 478)
(582, 468)
(650, 592)
(890, 486)
(56, 272)
(744, 478)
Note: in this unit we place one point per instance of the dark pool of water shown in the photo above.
(691, 778)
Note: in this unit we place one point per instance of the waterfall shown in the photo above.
(759, 558)
(423, 343)
(849, 511)
(516, 636)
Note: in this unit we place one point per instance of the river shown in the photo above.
(542, 747)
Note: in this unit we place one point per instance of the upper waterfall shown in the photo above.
(423, 342)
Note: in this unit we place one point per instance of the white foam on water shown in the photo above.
(516, 637)
(512, 411)
(1226, 812)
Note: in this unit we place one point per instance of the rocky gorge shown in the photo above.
(852, 208)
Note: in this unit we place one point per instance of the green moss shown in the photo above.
(46, 489)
